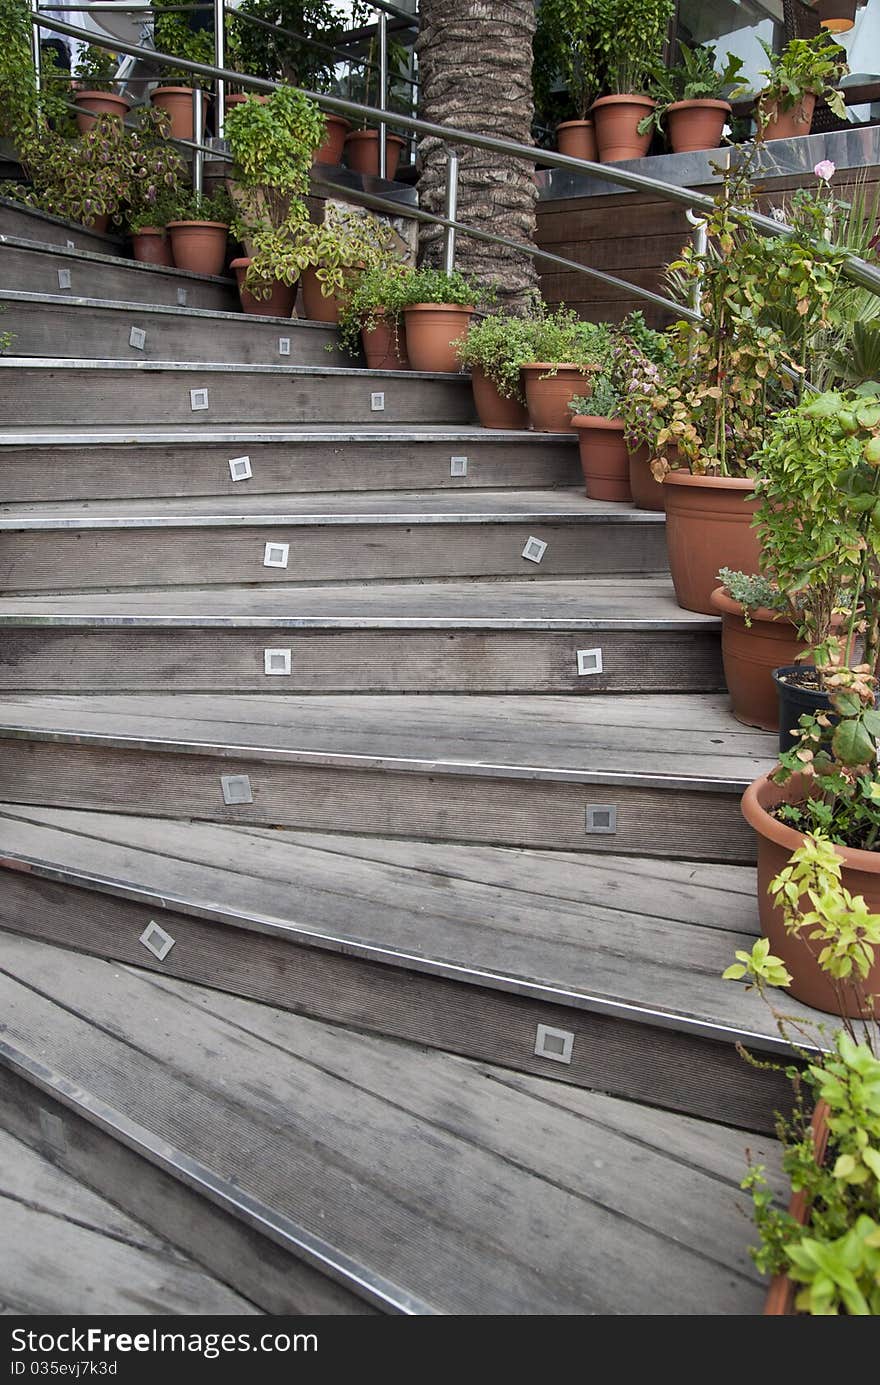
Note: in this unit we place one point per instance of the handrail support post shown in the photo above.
(35, 47)
(450, 210)
(219, 61)
(382, 20)
(198, 134)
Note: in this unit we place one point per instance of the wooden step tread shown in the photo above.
(639, 603)
(79, 435)
(112, 366)
(550, 926)
(55, 300)
(556, 505)
(65, 253)
(419, 1165)
(660, 740)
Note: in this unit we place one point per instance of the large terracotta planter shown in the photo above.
(493, 410)
(790, 124)
(604, 457)
(279, 303)
(91, 104)
(708, 526)
(647, 493)
(432, 330)
(150, 245)
(330, 152)
(549, 395)
(199, 246)
(782, 1292)
(616, 119)
(694, 125)
(861, 876)
(385, 348)
(317, 306)
(178, 102)
(362, 152)
(577, 139)
(751, 651)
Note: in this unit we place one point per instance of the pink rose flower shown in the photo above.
(825, 170)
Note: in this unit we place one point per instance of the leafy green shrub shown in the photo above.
(95, 69)
(499, 344)
(752, 590)
(430, 285)
(695, 78)
(806, 66)
(193, 206)
(375, 297)
(628, 39)
(172, 35)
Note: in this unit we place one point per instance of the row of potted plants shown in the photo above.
(621, 87)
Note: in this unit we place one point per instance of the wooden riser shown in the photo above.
(462, 807)
(233, 660)
(100, 330)
(70, 559)
(188, 463)
(631, 1056)
(26, 223)
(30, 267)
(146, 393)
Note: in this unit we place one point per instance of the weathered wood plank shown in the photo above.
(34, 268)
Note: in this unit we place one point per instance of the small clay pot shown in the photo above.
(199, 246)
(362, 152)
(789, 124)
(493, 410)
(577, 139)
(708, 526)
(330, 152)
(695, 125)
(91, 104)
(647, 493)
(431, 331)
(384, 348)
(238, 98)
(751, 650)
(616, 119)
(549, 395)
(178, 102)
(279, 303)
(604, 457)
(317, 306)
(150, 245)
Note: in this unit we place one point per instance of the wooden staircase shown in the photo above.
(370, 823)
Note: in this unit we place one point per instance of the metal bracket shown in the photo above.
(64, 278)
(601, 819)
(240, 468)
(137, 338)
(276, 554)
(236, 788)
(458, 466)
(555, 1044)
(277, 662)
(198, 399)
(284, 346)
(589, 661)
(52, 1128)
(181, 298)
(377, 401)
(156, 940)
(71, 245)
(534, 549)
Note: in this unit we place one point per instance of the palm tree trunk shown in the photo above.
(475, 71)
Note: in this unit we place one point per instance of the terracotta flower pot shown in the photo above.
(577, 139)
(647, 493)
(279, 303)
(616, 119)
(91, 104)
(317, 306)
(362, 152)
(238, 98)
(384, 348)
(781, 1294)
(493, 410)
(431, 330)
(751, 651)
(548, 396)
(694, 125)
(861, 876)
(604, 457)
(199, 245)
(330, 152)
(150, 245)
(708, 526)
(790, 124)
(178, 102)
(99, 223)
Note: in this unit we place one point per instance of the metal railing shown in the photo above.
(857, 270)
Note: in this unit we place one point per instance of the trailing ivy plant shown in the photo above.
(375, 297)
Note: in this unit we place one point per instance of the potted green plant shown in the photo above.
(806, 69)
(629, 37)
(174, 92)
(437, 310)
(332, 254)
(691, 99)
(150, 242)
(823, 1252)
(494, 349)
(362, 142)
(94, 90)
(564, 359)
(199, 231)
(371, 317)
(644, 356)
(603, 451)
(759, 631)
(564, 46)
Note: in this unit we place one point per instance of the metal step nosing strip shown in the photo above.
(55, 300)
(362, 1281)
(496, 624)
(304, 935)
(113, 365)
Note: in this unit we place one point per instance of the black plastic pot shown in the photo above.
(794, 701)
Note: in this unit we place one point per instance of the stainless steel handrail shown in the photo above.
(858, 271)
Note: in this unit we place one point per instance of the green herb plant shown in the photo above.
(96, 69)
(695, 78)
(375, 298)
(806, 66)
(173, 35)
(629, 38)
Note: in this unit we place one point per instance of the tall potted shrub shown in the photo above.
(174, 92)
(629, 39)
(564, 360)
(437, 311)
(806, 69)
(565, 46)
